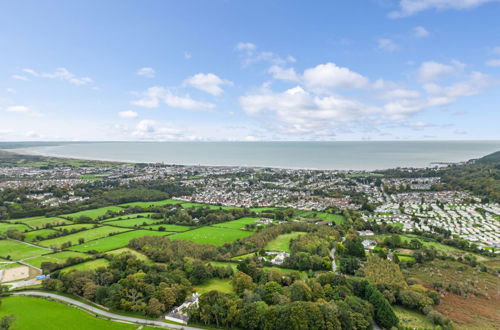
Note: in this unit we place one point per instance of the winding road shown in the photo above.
(105, 314)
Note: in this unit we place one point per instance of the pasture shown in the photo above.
(149, 204)
(6, 226)
(37, 313)
(115, 241)
(237, 224)
(17, 250)
(37, 235)
(87, 235)
(221, 285)
(282, 242)
(135, 222)
(94, 213)
(211, 235)
(131, 216)
(58, 258)
(139, 255)
(87, 265)
(41, 222)
(76, 226)
(167, 227)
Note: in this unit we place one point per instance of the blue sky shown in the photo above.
(250, 70)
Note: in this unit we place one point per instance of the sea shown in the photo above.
(336, 155)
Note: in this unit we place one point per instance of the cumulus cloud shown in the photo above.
(387, 45)
(153, 96)
(129, 114)
(32, 134)
(152, 130)
(247, 46)
(207, 82)
(146, 72)
(315, 107)
(280, 73)
(60, 74)
(431, 71)
(412, 7)
(329, 75)
(420, 32)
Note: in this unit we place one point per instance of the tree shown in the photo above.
(7, 321)
(242, 282)
(155, 308)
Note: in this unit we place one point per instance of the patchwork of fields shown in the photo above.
(56, 239)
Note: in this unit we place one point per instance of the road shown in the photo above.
(102, 313)
(334, 265)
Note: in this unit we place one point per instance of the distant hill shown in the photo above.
(489, 159)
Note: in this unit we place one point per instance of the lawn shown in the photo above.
(282, 242)
(18, 250)
(40, 222)
(115, 241)
(32, 235)
(94, 214)
(139, 255)
(167, 227)
(223, 285)
(131, 216)
(87, 265)
(237, 224)
(135, 222)
(337, 218)
(88, 235)
(6, 226)
(211, 235)
(37, 313)
(412, 319)
(58, 258)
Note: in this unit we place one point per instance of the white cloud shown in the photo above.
(248, 46)
(152, 130)
(146, 72)
(329, 75)
(11, 90)
(420, 32)
(280, 73)
(207, 82)
(494, 62)
(412, 7)
(61, 74)
(20, 77)
(19, 109)
(129, 114)
(431, 71)
(387, 45)
(250, 55)
(154, 95)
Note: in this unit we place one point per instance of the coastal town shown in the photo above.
(407, 203)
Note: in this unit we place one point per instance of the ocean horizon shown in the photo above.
(332, 155)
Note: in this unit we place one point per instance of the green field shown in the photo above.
(412, 319)
(222, 285)
(5, 226)
(139, 255)
(210, 206)
(237, 224)
(143, 215)
(136, 222)
(75, 226)
(115, 241)
(87, 265)
(282, 242)
(88, 235)
(40, 222)
(32, 235)
(94, 214)
(211, 235)
(7, 265)
(36, 313)
(167, 227)
(18, 250)
(58, 258)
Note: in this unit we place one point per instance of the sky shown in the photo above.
(260, 70)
